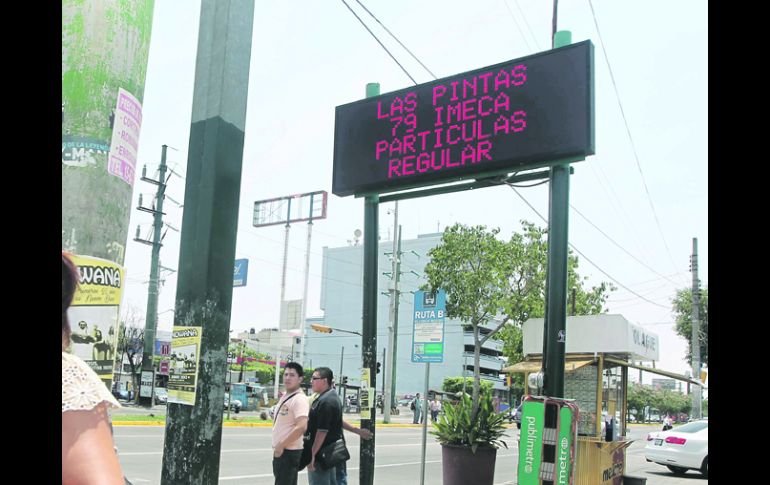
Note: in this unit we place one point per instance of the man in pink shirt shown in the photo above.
(289, 425)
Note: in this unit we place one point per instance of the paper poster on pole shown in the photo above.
(184, 363)
(366, 401)
(94, 314)
(127, 121)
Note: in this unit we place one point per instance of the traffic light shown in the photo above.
(344, 380)
(320, 328)
(378, 367)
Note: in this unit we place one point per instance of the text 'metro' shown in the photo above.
(515, 115)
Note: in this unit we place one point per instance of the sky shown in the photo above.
(651, 128)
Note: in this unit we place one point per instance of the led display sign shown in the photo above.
(511, 116)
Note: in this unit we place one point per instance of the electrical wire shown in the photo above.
(378, 41)
(586, 258)
(399, 42)
(630, 138)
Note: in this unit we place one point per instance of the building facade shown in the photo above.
(342, 300)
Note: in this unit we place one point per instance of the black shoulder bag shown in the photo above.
(332, 454)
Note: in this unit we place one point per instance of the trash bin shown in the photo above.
(629, 480)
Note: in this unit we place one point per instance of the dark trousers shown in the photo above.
(286, 466)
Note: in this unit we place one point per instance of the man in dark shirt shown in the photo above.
(324, 424)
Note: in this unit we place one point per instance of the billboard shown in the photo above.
(519, 114)
(291, 208)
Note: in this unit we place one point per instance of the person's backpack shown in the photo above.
(411, 406)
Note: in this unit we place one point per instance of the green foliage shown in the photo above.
(682, 308)
(457, 426)
(455, 384)
(502, 282)
(664, 400)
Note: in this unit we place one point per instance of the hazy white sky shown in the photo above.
(308, 57)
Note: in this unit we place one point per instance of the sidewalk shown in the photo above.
(402, 420)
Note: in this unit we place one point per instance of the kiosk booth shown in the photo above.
(600, 349)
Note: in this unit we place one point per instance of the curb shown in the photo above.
(251, 425)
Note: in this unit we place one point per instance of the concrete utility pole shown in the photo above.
(389, 379)
(695, 342)
(193, 437)
(151, 319)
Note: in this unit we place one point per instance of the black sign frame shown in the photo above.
(548, 104)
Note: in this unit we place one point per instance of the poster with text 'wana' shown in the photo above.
(95, 312)
(183, 364)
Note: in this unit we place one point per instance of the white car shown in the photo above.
(680, 449)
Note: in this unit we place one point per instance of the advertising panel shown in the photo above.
(184, 363)
(94, 314)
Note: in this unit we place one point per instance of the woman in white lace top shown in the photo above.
(87, 453)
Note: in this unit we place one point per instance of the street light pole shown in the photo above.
(339, 379)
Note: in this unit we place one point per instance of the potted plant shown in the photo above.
(469, 445)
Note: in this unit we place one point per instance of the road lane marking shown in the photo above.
(304, 472)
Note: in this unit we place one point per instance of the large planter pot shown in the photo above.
(461, 467)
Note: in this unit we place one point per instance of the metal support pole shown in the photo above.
(342, 359)
(304, 292)
(277, 377)
(424, 423)
(556, 291)
(385, 404)
(369, 317)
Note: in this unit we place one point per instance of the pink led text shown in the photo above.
(466, 115)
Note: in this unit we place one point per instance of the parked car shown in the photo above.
(404, 402)
(680, 449)
(235, 404)
(161, 395)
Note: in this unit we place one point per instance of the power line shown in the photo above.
(630, 138)
(586, 258)
(524, 17)
(378, 41)
(399, 42)
(619, 246)
(517, 26)
(631, 228)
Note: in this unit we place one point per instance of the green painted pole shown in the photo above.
(193, 438)
(369, 338)
(151, 318)
(556, 285)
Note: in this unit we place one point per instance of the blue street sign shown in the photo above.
(428, 329)
(240, 272)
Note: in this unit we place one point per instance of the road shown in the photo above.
(246, 458)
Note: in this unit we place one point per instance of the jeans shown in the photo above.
(285, 467)
(322, 477)
(342, 473)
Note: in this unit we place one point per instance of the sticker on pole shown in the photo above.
(428, 329)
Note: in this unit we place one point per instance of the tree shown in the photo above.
(250, 363)
(131, 344)
(502, 282)
(682, 308)
(455, 384)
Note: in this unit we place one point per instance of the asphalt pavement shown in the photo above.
(246, 456)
